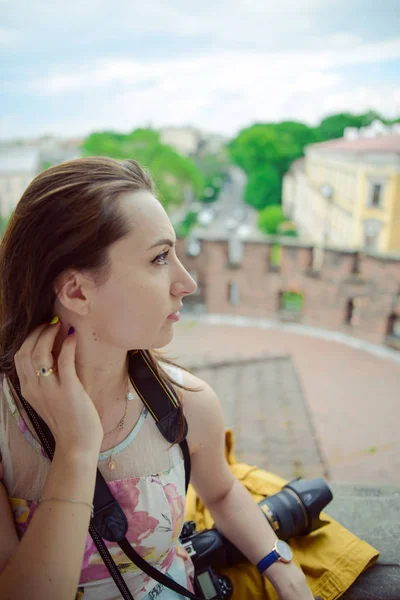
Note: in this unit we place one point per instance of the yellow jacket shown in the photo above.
(332, 558)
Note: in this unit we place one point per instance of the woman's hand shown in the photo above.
(60, 398)
(289, 581)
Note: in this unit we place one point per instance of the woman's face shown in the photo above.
(147, 281)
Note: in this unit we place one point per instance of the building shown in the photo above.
(346, 292)
(18, 166)
(21, 161)
(346, 192)
(190, 141)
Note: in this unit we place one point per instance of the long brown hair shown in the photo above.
(67, 218)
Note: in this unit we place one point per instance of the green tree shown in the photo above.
(171, 171)
(300, 133)
(184, 227)
(270, 218)
(287, 228)
(333, 127)
(261, 144)
(263, 187)
(265, 152)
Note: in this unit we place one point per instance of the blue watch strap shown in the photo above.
(267, 561)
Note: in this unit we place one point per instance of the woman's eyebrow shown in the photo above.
(164, 242)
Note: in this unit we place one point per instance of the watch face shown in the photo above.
(284, 551)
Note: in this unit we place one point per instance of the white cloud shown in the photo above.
(258, 24)
(210, 94)
(228, 71)
(260, 61)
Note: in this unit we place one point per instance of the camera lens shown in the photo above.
(285, 513)
(295, 509)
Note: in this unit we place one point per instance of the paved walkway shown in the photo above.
(263, 402)
(353, 394)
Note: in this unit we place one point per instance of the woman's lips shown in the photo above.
(175, 316)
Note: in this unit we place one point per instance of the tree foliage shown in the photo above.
(270, 218)
(333, 127)
(172, 172)
(184, 227)
(265, 151)
(263, 187)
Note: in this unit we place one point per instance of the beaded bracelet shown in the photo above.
(68, 500)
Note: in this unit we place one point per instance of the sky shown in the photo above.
(71, 67)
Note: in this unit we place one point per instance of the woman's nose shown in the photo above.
(186, 285)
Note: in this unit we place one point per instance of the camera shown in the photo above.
(209, 585)
(294, 511)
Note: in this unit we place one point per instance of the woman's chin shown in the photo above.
(163, 339)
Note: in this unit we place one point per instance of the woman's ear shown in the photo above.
(73, 292)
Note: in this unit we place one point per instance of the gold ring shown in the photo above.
(44, 372)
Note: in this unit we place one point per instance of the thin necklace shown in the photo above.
(121, 424)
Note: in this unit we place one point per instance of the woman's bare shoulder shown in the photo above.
(202, 410)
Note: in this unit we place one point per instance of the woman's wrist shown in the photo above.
(289, 581)
(278, 570)
(281, 572)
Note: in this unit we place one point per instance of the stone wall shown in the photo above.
(349, 293)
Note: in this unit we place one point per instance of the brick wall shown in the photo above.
(373, 286)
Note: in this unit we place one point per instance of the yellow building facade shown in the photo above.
(347, 193)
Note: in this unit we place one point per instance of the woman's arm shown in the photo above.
(234, 511)
(47, 562)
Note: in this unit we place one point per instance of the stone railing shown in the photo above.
(372, 513)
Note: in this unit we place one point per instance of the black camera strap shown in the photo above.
(109, 521)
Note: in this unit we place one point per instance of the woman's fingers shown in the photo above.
(42, 353)
(22, 358)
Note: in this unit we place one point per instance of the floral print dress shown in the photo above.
(148, 482)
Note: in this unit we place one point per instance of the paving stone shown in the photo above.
(264, 404)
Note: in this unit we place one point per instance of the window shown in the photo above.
(291, 301)
(235, 251)
(349, 312)
(354, 307)
(375, 194)
(233, 293)
(395, 326)
(372, 232)
(393, 331)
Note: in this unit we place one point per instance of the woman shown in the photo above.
(90, 243)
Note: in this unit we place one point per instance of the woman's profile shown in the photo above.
(89, 274)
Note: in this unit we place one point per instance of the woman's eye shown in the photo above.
(161, 257)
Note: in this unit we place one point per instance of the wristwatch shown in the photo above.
(281, 551)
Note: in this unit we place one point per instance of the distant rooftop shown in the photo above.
(383, 144)
(298, 165)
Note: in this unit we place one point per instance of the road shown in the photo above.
(230, 211)
(228, 214)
